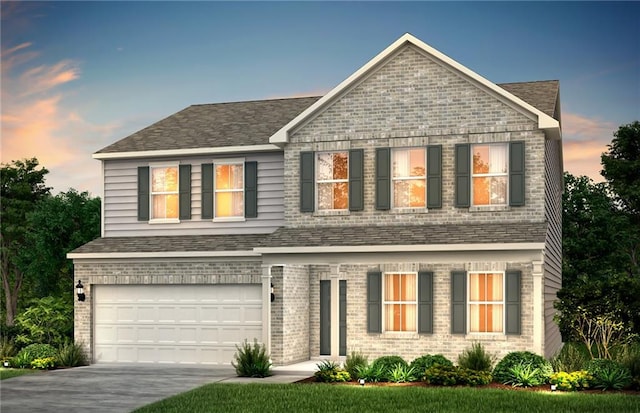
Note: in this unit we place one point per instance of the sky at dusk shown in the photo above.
(78, 76)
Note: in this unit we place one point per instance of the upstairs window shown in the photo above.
(400, 302)
(490, 174)
(332, 180)
(229, 190)
(164, 193)
(409, 178)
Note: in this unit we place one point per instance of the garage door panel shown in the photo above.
(186, 324)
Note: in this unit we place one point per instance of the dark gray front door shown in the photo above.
(325, 318)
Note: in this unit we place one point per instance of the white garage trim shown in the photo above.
(174, 324)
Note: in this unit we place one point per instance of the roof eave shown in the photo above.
(186, 152)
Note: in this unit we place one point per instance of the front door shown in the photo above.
(325, 318)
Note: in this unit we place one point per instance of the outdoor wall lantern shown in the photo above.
(273, 296)
(80, 291)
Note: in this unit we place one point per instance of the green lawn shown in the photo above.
(325, 398)
(9, 373)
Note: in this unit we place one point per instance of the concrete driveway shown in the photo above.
(102, 388)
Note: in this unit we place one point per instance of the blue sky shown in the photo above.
(77, 76)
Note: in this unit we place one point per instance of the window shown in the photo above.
(409, 178)
(164, 193)
(486, 302)
(229, 190)
(400, 301)
(489, 174)
(332, 180)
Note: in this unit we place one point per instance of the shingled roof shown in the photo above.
(253, 122)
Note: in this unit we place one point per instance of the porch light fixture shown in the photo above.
(80, 291)
(273, 296)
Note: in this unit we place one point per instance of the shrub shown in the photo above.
(48, 320)
(329, 372)
(388, 363)
(608, 374)
(422, 363)
(524, 374)
(371, 373)
(44, 363)
(353, 361)
(630, 358)
(476, 358)
(570, 381)
(22, 360)
(402, 373)
(7, 348)
(31, 352)
(251, 361)
(446, 375)
(571, 357)
(71, 355)
(503, 370)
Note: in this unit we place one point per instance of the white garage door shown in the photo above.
(186, 324)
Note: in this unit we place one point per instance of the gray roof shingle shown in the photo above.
(253, 122)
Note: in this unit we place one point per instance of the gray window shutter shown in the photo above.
(425, 302)
(356, 180)
(516, 173)
(307, 181)
(513, 302)
(463, 175)
(374, 302)
(251, 189)
(185, 192)
(207, 191)
(434, 176)
(458, 302)
(143, 193)
(383, 178)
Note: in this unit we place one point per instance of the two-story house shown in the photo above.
(413, 209)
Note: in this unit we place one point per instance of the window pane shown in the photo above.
(172, 206)
(401, 163)
(159, 206)
(392, 287)
(498, 190)
(475, 287)
(408, 287)
(498, 158)
(325, 167)
(325, 196)
(164, 179)
(340, 166)
(165, 206)
(229, 176)
(417, 162)
(481, 195)
(480, 159)
(341, 195)
(494, 287)
(229, 204)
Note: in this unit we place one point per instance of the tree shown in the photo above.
(59, 225)
(21, 187)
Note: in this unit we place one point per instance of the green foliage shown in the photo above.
(402, 373)
(44, 363)
(71, 354)
(621, 166)
(7, 348)
(524, 374)
(330, 372)
(476, 358)
(523, 360)
(353, 361)
(629, 357)
(609, 374)
(575, 380)
(47, 320)
(571, 357)
(252, 361)
(422, 363)
(446, 375)
(389, 362)
(372, 373)
(22, 360)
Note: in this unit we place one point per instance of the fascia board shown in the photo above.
(166, 254)
(545, 121)
(187, 152)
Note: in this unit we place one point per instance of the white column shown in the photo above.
(335, 312)
(266, 307)
(538, 307)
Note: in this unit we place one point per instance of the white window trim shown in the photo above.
(384, 303)
(329, 181)
(228, 161)
(409, 178)
(489, 175)
(155, 165)
(503, 302)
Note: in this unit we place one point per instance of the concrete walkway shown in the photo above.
(120, 388)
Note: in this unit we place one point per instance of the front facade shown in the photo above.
(413, 209)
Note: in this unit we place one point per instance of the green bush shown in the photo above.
(609, 374)
(525, 374)
(22, 360)
(388, 363)
(571, 357)
(32, 352)
(7, 348)
(630, 358)
(476, 358)
(371, 373)
(570, 381)
(446, 375)
(503, 371)
(47, 320)
(252, 361)
(402, 373)
(44, 363)
(353, 361)
(422, 363)
(329, 372)
(71, 355)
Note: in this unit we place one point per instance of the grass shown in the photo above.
(325, 398)
(9, 373)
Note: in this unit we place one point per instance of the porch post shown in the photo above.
(266, 307)
(538, 307)
(335, 312)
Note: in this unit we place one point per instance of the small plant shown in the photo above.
(571, 381)
(71, 354)
(388, 363)
(441, 375)
(422, 363)
(569, 358)
(524, 374)
(329, 372)
(33, 351)
(402, 373)
(371, 373)
(21, 361)
(502, 372)
(251, 361)
(353, 361)
(476, 358)
(609, 374)
(44, 363)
